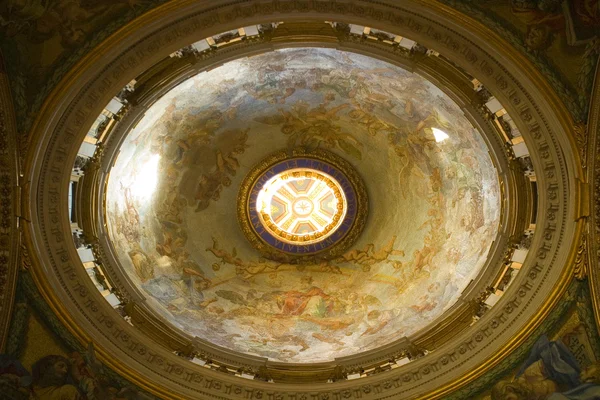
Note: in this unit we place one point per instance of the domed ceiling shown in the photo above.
(433, 204)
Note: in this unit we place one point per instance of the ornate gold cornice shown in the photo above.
(532, 103)
(457, 84)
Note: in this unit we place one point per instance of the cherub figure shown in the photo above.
(224, 255)
(369, 256)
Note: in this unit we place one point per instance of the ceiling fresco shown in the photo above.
(433, 204)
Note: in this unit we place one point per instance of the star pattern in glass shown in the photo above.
(301, 205)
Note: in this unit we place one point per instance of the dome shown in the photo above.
(408, 246)
(425, 211)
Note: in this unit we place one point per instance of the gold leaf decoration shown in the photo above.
(581, 136)
(581, 260)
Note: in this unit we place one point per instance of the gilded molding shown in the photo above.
(530, 100)
(455, 83)
(594, 196)
(9, 235)
(581, 260)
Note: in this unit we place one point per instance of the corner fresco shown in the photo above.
(552, 372)
(434, 204)
(75, 376)
(44, 362)
(560, 37)
(43, 39)
(560, 361)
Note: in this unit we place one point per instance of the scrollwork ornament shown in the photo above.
(25, 259)
(581, 259)
(581, 136)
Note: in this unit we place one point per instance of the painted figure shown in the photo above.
(294, 302)
(52, 380)
(551, 372)
(15, 380)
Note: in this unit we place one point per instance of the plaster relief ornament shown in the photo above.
(311, 206)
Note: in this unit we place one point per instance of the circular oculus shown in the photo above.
(302, 206)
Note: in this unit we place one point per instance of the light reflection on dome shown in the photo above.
(146, 178)
(301, 205)
(439, 135)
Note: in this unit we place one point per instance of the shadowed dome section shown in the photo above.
(433, 195)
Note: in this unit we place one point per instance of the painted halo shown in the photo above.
(301, 207)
